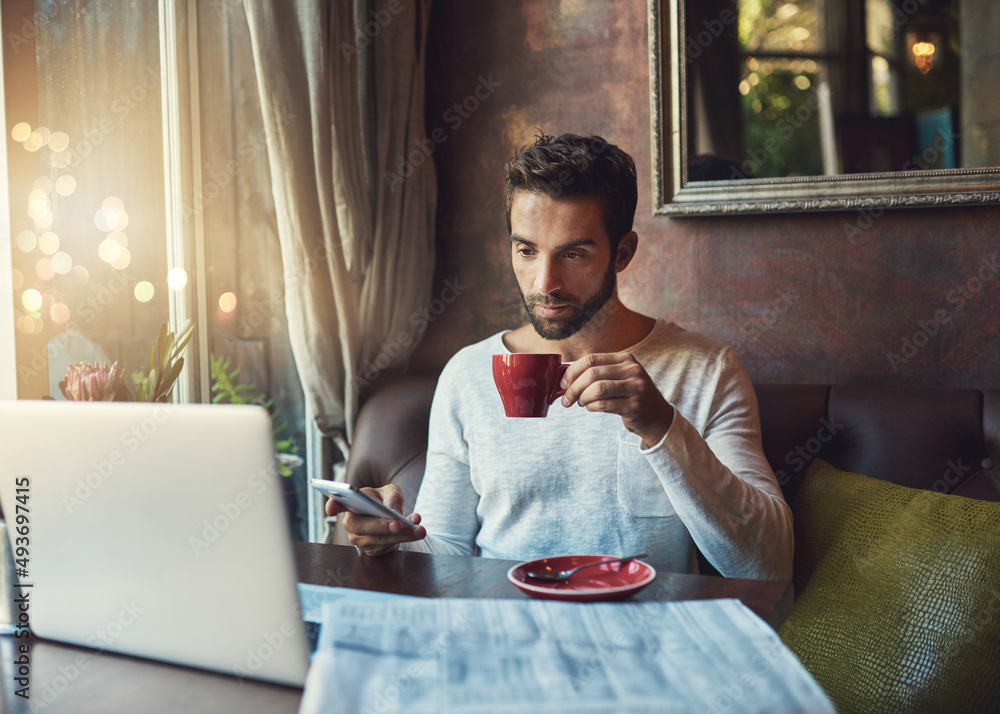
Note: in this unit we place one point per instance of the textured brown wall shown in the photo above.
(799, 299)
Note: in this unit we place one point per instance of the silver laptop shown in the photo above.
(155, 530)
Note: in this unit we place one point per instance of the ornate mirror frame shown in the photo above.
(673, 194)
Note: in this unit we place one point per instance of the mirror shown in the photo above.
(761, 106)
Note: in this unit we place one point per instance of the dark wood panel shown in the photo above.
(427, 575)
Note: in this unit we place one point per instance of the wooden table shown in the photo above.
(74, 679)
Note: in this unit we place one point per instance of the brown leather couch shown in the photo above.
(945, 440)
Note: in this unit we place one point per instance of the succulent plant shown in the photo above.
(165, 363)
(86, 382)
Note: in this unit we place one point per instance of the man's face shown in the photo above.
(562, 260)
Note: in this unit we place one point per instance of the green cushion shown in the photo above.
(897, 603)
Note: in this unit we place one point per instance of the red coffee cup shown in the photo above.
(528, 383)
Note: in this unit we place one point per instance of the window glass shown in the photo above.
(777, 26)
(780, 41)
(90, 272)
(89, 248)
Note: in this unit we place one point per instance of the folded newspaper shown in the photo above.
(404, 654)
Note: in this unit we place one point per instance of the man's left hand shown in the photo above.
(618, 384)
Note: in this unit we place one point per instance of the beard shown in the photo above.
(579, 313)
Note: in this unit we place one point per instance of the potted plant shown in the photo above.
(86, 382)
(226, 390)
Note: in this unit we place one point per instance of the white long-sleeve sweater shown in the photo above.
(579, 482)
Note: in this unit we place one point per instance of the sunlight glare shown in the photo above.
(177, 278)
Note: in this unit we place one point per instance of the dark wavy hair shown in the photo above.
(572, 166)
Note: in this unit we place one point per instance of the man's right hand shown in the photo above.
(378, 536)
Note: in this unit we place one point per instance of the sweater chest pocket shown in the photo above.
(640, 492)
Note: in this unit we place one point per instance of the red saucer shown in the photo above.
(613, 581)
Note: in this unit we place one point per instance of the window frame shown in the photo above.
(8, 354)
(185, 236)
(184, 230)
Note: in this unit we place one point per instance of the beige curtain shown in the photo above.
(342, 89)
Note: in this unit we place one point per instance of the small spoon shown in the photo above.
(553, 576)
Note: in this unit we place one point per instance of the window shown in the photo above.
(784, 67)
(139, 194)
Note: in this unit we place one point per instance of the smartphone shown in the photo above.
(356, 501)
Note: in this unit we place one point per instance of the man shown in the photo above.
(656, 447)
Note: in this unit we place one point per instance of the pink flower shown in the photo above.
(85, 382)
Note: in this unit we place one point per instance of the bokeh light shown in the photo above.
(44, 270)
(177, 278)
(21, 131)
(61, 159)
(113, 203)
(33, 142)
(227, 302)
(59, 141)
(111, 216)
(62, 262)
(48, 243)
(42, 183)
(59, 313)
(27, 240)
(122, 260)
(44, 222)
(119, 238)
(29, 325)
(38, 209)
(17, 278)
(101, 220)
(108, 250)
(31, 299)
(144, 291)
(79, 275)
(38, 199)
(65, 185)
